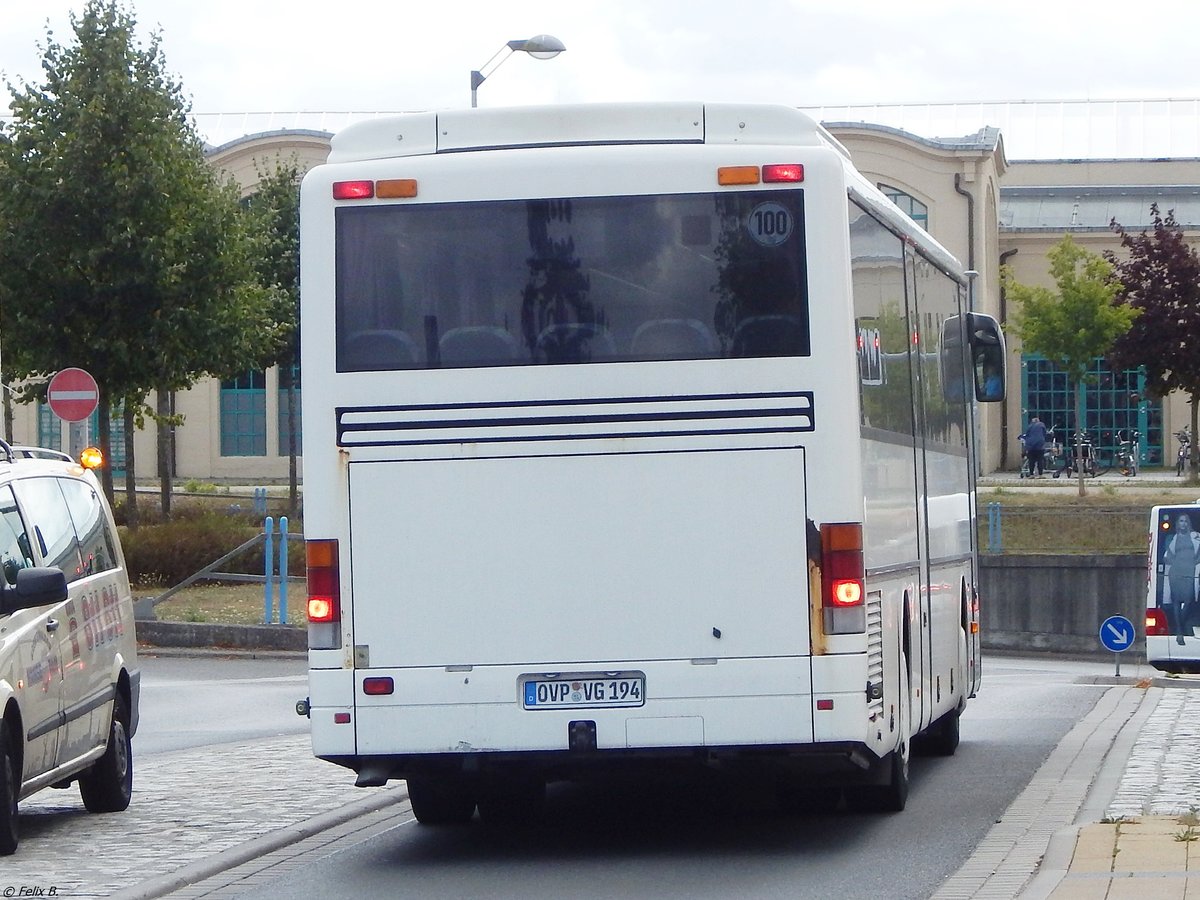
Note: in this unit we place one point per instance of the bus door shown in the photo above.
(944, 480)
(921, 648)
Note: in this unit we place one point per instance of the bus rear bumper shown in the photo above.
(843, 762)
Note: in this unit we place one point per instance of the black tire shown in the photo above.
(513, 801)
(441, 800)
(942, 737)
(889, 796)
(1179, 466)
(890, 792)
(108, 785)
(10, 786)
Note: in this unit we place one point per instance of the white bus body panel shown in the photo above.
(467, 564)
(577, 560)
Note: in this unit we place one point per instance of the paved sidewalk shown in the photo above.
(1146, 845)
(1113, 813)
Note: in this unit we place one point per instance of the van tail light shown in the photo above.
(324, 595)
(1156, 623)
(843, 578)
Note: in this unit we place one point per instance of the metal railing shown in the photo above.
(273, 579)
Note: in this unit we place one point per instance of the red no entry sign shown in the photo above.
(73, 395)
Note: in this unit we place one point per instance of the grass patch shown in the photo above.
(1045, 520)
(226, 604)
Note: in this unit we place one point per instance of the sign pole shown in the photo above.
(1117, 634)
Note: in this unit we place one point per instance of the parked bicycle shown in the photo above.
(1078, 455)
(1183, 457)
(1128, 449)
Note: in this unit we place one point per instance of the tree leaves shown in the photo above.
(1160, 279)
(121, 251)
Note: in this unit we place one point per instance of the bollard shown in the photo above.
(995, 533)
(283, 569)
(269, 556)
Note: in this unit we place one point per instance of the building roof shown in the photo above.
(1092, 208)
(984, 140)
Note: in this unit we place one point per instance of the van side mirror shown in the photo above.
(35, 587)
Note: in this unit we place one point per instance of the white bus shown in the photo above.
(1173, 570)
(635, 436)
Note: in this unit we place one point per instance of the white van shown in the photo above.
(1172, 610)
(69, 678)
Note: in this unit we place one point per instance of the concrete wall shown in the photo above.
(1029, 604)
(1056, 603)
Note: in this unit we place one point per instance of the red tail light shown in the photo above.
(324, 600)
(378, 686)
(324, 595)
(353, 190)
(843, 578)
(789, 172)
(842, 575)
(1156, 623)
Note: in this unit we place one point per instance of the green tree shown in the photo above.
(1160, 278)
(121, 252)
(1073, 325)
(273, 211)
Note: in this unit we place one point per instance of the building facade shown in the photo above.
(985, 209)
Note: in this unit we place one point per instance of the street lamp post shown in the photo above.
(542, 46)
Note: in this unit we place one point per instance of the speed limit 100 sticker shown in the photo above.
(769, 223)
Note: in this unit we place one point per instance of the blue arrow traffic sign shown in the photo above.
(1116, 633)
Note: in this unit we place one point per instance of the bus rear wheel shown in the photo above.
(441, 799)
(942, 737)
(888, 791)
(889, 796)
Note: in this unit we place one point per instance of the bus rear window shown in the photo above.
(576, 280)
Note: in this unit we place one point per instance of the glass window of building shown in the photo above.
(244, 415)
(912, 207)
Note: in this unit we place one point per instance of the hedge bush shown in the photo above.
(165, 553)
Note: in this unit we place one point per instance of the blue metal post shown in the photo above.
(283, 570)
(269, 564)
(995, 532)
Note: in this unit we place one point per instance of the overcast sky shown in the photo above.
(234, 56)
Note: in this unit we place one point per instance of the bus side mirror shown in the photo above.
(989, 360)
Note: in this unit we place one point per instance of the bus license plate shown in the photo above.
(584, 693)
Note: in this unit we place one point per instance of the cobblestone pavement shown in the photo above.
(1162, 777)
(258, 788)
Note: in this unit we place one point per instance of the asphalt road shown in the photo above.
(716, 838)
(195, 702)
